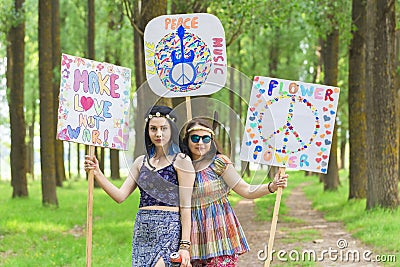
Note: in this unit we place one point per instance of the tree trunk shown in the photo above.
(15, 83)
(58, 145)
(101, 157)
(232, 115)
(69, 160)
(357, 102)
(30, 143)
(30, 151)
(91, 29)
(184, 6)
(149, 10)
(49, 196)
(318, 68)
(114, 25)
(274, 52)
(397, 64)
(343, 151)
(140, 78)
(114, 158)
(382, 134)
(78, 161)
(331, 56)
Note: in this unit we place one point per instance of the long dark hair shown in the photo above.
(205, 122)
(175, 142)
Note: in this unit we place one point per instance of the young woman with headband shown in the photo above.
(165, 179)
(217, 237)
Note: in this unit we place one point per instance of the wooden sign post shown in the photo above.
(89, 219)
(274, 221)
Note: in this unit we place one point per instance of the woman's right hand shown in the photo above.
(91, 163)
(185, 256)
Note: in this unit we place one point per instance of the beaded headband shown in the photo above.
(198, 127)
(158, 115)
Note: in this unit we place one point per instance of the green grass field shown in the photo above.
(31, 235)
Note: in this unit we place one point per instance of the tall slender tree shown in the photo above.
(357, 102)
(91, 29)
(382, 119)
(15, 83)
(114, 25)
(47, 150)
(55, 35)
(232, 114)
(139, 14)
(331, 59)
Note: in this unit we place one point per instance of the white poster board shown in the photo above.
(290, 124)
(93, 103)
(185, 55)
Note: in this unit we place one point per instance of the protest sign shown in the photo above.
(185, 55)
(290, 124)
(93, 103)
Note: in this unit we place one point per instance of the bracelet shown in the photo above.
(269, 188)
(185, 242)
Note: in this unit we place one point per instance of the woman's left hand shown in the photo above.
(185, 256)
(279, 181)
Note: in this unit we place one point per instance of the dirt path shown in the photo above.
(307, 232)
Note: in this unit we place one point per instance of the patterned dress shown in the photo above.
(216, 230)
(156, 232)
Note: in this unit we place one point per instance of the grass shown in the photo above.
(31, 235)
(378, 228)
(265, 205)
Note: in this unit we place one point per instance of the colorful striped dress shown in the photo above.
(216, 231)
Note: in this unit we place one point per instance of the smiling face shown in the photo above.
(159, 131)
(200, 148)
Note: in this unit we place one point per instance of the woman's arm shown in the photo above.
(234, 181)
(118, 194)
(186, 176)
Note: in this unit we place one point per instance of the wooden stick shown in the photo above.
(89, 213)
(188, 108)
(274, 221)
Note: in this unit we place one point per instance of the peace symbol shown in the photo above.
(286, 131)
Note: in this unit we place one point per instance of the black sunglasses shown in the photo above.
(196, 138)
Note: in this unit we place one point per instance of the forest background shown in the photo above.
(350, 44)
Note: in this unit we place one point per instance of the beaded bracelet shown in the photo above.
(186, 242)
(269, 188)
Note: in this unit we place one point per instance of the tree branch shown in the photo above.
(131, 15)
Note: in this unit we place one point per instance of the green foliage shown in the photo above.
(9, 17)
(31, 235)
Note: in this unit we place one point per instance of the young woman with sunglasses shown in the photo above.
(217, 237)
(165, 179)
